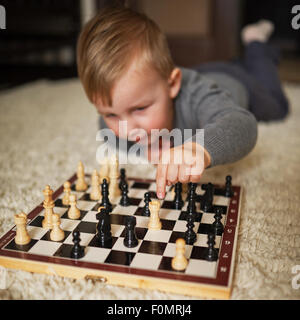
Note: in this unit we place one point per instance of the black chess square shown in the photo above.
(205, 228)
(140, 233)
(167, 224)
(46, 236)
(86, 227)
(120, 257)
(166, 265)
(18, 247)
(176, 235)
(95, 243)
(152, 247)
(37, 222)
(64, 251)
(141, 185)
(59, 203)
(82, 214)
(199, 253)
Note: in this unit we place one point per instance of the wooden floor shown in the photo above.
(289, 70)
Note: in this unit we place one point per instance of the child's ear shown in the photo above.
(174, 82)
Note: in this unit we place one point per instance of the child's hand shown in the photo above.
(184, 163)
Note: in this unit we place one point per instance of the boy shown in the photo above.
(128, 74)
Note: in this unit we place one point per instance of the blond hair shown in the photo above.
(108, 43)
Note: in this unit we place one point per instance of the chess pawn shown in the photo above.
(179, 262)
(48, 205)
(56, 234)
(96, 189)
(73, 212)
(67, 192)
(154, 221)
(22, 236)
(81, 185)
(104, 171)
(114, 190)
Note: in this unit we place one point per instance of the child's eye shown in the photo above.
(140, 108)
(110, 115)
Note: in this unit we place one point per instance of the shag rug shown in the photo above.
(47, 127)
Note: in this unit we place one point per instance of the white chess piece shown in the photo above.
(81, 185)
(114, 190)
(56, 234)
(154, 220)
(104, 170)
(179, 262)
(67, 192)
(73, 212)
(48, 205)
(22, 236)
(96, 189)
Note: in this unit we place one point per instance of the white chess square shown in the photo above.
(85, 205)
(202, 268)
(120, 246)
(221, 201)
(47, 248)
(146, 261)
(117, 229)
(128, 211)
(181, 226)
(90, 216)
(84, 237)
(202, 240)
(136, 193)
(158, 235)
(170, 250)
(69, 224)
(95, 254)
(169, 214)
(36, 232)
(142, 222)
(209, 218)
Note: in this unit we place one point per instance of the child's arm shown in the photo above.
(230, 131)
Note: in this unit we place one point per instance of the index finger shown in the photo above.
(161, 176)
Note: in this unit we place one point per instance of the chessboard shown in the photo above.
(147, 265)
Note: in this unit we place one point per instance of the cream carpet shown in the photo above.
(47, 127)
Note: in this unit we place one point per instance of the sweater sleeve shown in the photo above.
(230, 131)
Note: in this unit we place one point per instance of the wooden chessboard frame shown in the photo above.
(219, 287)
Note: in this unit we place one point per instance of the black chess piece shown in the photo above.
(105, 196)
(191, 208)
(178, 202)
(103, 228)
(77, 251)
(217, 225)
(122, 177)
(124, 201)
(147, 200)
(130, 240)
(207, 199)
(212, 252)
(190, 235)
(228, 187)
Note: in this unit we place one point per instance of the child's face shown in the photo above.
(142, 98)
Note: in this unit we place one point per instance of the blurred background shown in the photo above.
(39, 38)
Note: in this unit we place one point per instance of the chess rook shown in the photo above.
(22, 236)
(154, 220)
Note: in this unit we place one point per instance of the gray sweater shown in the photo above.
(218, 104)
